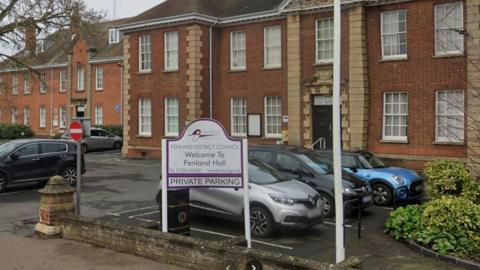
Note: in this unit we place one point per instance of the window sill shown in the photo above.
(323, 63)
(146, 72)
(170, 136)
(272, 68)
(394, 141)
(448, 55)
(394, 59)
(80, 91)
(99, 90)
(449, 143)
(237, 70)
(240, 136)
(171, 70)
(272, 137)
(62, 91)
(144, 136)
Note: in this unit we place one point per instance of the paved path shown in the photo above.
(27, 253)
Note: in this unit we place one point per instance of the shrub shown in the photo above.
(403, 222)
(13, 131)
(445, 178)
(471, 191)
(451, 225)
(114, 129)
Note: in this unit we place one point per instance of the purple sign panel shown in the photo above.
(204, 156)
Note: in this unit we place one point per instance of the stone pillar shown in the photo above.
(56, 201)
(358, 100)
(126, 94)
(194, 72)
(472, 22)
(294, 89)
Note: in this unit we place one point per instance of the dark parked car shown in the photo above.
(309, 167)
(389, 184)
(35, 160)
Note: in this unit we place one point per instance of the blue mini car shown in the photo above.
(390, 185)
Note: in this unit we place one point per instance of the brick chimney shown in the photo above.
(30, 36)
(75, 20)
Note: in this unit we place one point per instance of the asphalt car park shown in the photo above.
(123, 190)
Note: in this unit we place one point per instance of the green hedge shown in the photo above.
(114, 129)
(450, 222)
(12, 132)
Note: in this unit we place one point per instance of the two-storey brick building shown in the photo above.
(408, 74)
(70, 74)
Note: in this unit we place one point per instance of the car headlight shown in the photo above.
(282, 200)
(348, 191)
(398, 179)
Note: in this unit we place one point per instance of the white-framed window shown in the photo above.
(238, 112)
(99, 78)
(113, 36)
(394, 34)
(43, 85)
(449, 116)
(80, 79)
(449, 28)
(238, 54)
(324, 37)
(171, 116)
(273, 117)
(15, 83)
(273, 46)
(26, 84)
(171, 50)
(98, 115)
(63, 117)
(63, 80)
(144, 53)
(43, 117)
(14, 115)
(145, 117)
(395, 114)
(26, 116)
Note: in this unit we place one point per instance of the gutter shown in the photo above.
(34, 67)
(210, 56)
(106, 60)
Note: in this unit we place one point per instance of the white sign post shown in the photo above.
(204, 156)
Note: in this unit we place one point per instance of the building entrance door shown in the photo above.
(322, 122)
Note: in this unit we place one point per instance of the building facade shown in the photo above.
(70, 74)
(408, 75)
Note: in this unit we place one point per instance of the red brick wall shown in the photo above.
(420, 76)
(79, 58)
(109, 96)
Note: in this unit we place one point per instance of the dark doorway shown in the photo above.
(80, 111)
(322, 126)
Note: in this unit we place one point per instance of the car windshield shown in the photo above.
(6, 148)
(317, 163)
(370, 161)
(262, 174)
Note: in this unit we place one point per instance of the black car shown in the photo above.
(309, 167)
(35, 160)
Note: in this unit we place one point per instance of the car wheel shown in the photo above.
(3, 182)
(70, 175)
(261, 222)
(84, 148)
(382, 195)
(117, 146)
(328, 205)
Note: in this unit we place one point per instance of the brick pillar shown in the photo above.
(69, 87)
(89, 102)
(126, 94)
(194, 72)
(472, 22)
(294, 90)
(358, 100)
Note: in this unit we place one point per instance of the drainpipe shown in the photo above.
(121, 93)
(210, 90)
(51, 102)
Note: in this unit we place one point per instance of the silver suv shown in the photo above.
(275, 201)
(99, 139)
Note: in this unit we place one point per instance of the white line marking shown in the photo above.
(11, 193)
(144, 214)
(231, 236)
(131, 210)
(113, 214)
(148, 220)
(383, 207)
(333, 224)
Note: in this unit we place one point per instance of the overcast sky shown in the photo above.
(125, 8)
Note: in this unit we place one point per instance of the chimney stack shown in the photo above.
(30, 36)
(75, 20)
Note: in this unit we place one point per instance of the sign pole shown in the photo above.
(79, 175)
(164, 187)
(337, 154)
(246, 197)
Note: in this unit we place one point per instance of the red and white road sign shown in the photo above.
(76, 131)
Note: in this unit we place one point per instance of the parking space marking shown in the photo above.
(232, 236)
(144, 214)
(383, 207)
(131, 210)
(148, 220)
(333, 224)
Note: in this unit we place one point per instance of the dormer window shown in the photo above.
(113, 36)
(40, 46)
